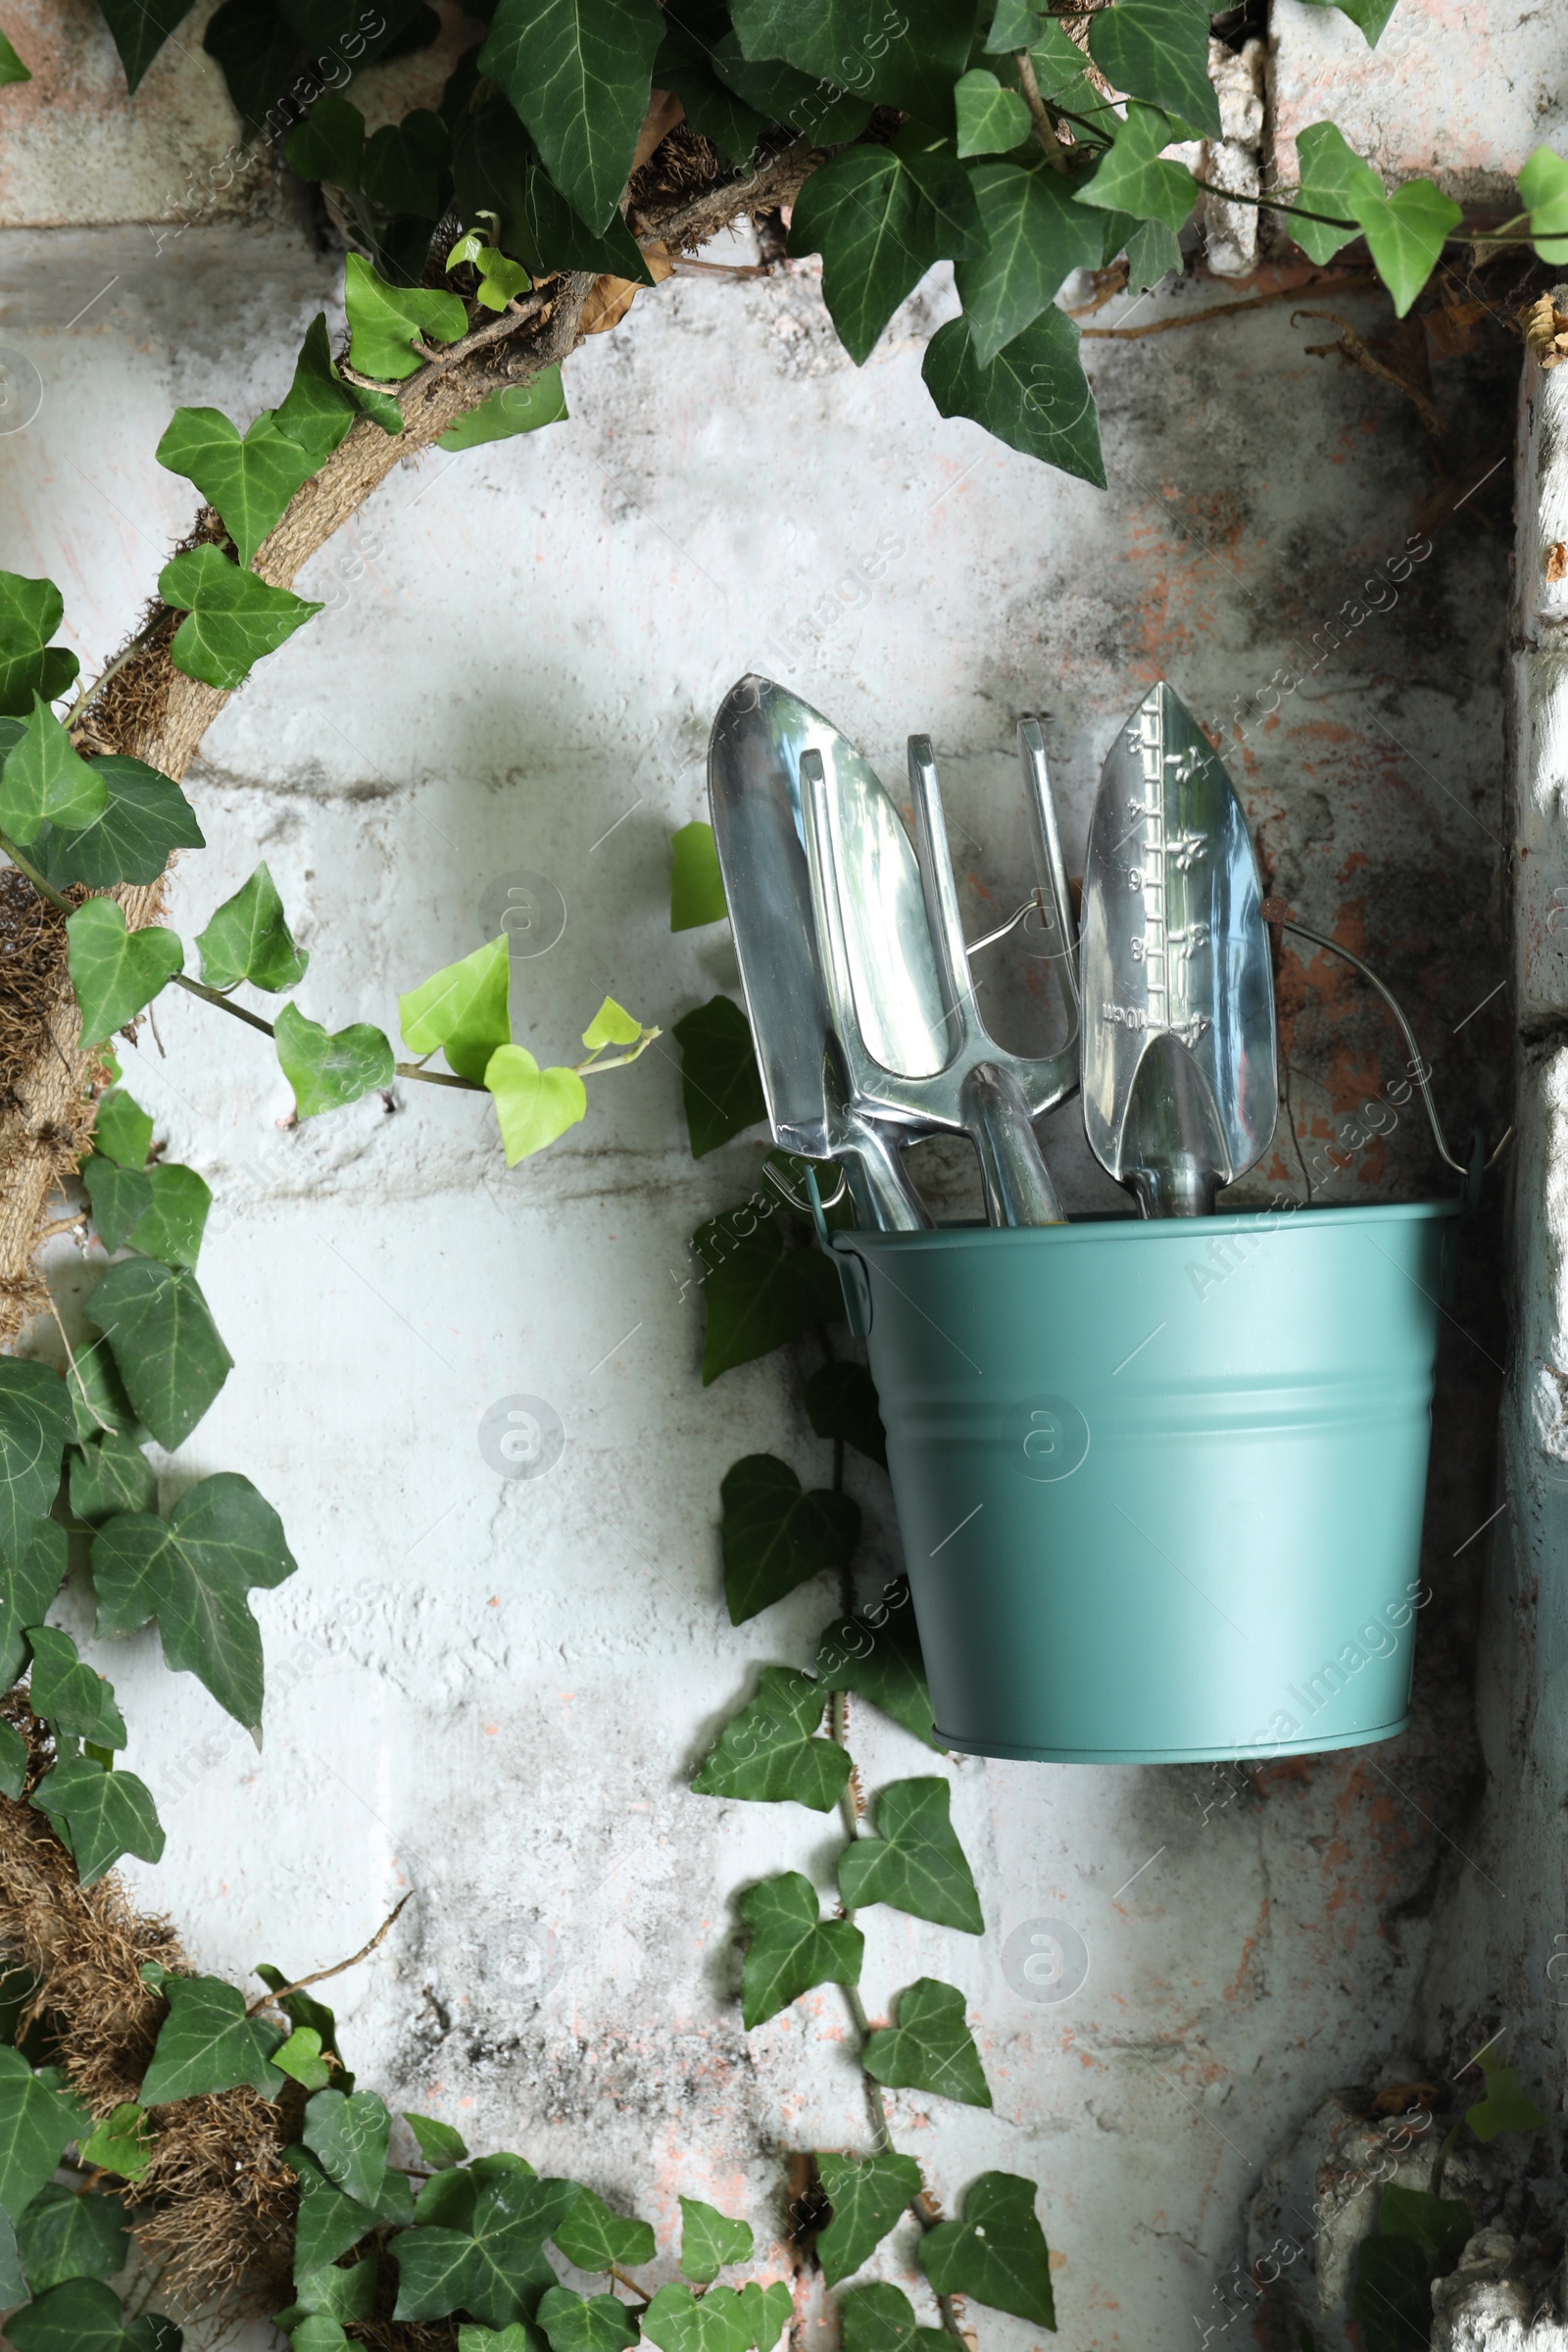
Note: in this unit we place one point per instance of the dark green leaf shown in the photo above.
(302, 2008)
(99, 1815)
(997, 2253)
(714, 112)
(709, 2239)
(696, 885)
(67, 1693)
(37, 2122)
(1393, 2300)
(1368, 15)
(496, 169)
(249, 938)
(593, 2236)
(97, 1395)
(869, 214)
(841, 1401)
(67, 2233)
(1133, 179)
(318, 410)
(327, 1072)
(347, 2132)
(1036, 236)
(766, 1749)
(257, 51)
(328, 2222)
(990, 117)
(792, 1947)
(116, 971)
(867, 2194)
(758, 1292)
(1158, 50)
(1153, 253)
(82, 2316)
(1442, 2225)
(515, 408)
(585, 2322)
(578, 74)
(1033, 395)
(121, 1130)
(145, 817)
(769, 2311)
(913, 70)
(779, 94)
(881, 2319)
(328, 144)
(719, 1081)
(233, 619)
(170, 1227)
(774, 1535)
(442, 2145)
(194, 1572)
(35, 1424)
(207, 2043)
(31, 612)
(462, 1010)
(1330, 169)
(249, 478)
(676, 2321)
(494, 2270)
(44, 781)
(406, 165)
(109, 1474)
(121, 2143)
(14, 1758)
(119, 1198)
(1507, 2107)
(914, 1862)
(165, 1344)
(332, 2293)
(13, 70)
(931, 2048)
(29, 1579)
(156, 2332)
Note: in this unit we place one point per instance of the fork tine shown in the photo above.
(942, 895)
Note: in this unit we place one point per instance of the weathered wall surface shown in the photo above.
(492, 1689)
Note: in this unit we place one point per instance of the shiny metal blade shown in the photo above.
(1179, 1072)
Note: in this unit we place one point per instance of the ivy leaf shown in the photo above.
(493, 2270)
(518, 2337)
(1507, 2107)
(716, 113)
(194, 1573)
(840, 1402)
(97, 1395)
(327, 1072)
(1158, 50)
(769, 2311)
(515, 408)
(774, 1535)
(302, 2008)
(385, 320)
(256, 51)
(914, 70)
(463, 1008)
(65, 2235)
(249, 478)
(37, 2123)
(1036, 236)
(1132, 177)
(1153, 253)
(1369, 17)
(1442, 2225)
(207, 2043)
(442, 2145)
(34, 1426)
(584, 2323)
(867, 2194)
(332, 2293)
(696, 885)
(29, 1581)
(677, 2322)
(13, 70)
(121, 1131)
(997, 2253)
(44, 781)
(108, 1475)
(709, 2239)
(869, 214)
(249, 938)
(171, 1225)
(766, 1749)
(533, 1107)
(13, 1756)
(68, 1694)
(232, 618)
(719, 1080)
(759, 1294)
(99, 1815)
(1404, 233)
(612, 1025)
(319, 2332)
(300, 2058)
(931, 2048)
(792, 1947)
(406, 165)
(578, 74)
(121, 2143)
(330, 143)
(1329, 168)
(318, 410)
(991, 118)
(114, 971)
(779, 94)
(881, 2319)
(165, 1344)
(1393, 2299)
(145, 817)
(1544, 188)
(496, 169)
(1033, 395)
(348, 2134)
(593, 2236)
(328, 2222)
(80, 2316)
(914, 1862)
(31, 612)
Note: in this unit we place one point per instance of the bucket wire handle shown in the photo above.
(1473, 1169)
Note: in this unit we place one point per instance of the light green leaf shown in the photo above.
(109, 1474)
(65, 2233)
(991, 118)
(45, 782)
(914, 1862)
(171, 1225)
(461, 1010)
(207, 2043)
(792, 1947)
(515, 408)
(768, 2312)
(330, 143)
(881, 2319)
(319, 2332)
(929, 2048)
(1033, 395)
(114, 971)
(249, 938)
(35, 1424)
(868, 2196)
(766, 1749)
(31, 612)
(1330, 169)
(332, 2293)
(709, 2239)
(385, 320)
(145, 816)
(29, 1579)
(442, 2145)
(774, 1535)
(593, 2236)
(68, 1694)
(1544, 186)
(578, 73)
(1404, 233)
(585, 2322)
(165, 1344)
(82, 2316)
(327, 1072)
(612, 1025)
(11, 68)
(1132, 178)
(532, 1106)
(302, 2008)
(232, 618)
(880, 217)
(1507, 2107)
(1036, 236)
(518, 2337)
(676, 2321)
(37, 2123)
(300, 2057)
(194, 1572)
(696, 885)
(997, 2253)
(759, 1294)
(121, 1129)
(248, 478)
(318, 410)
(910, 59)
(1158, 50)
(99, 1815)
(121, 2143)
(720, 1083)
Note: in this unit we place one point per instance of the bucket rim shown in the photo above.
(1140, 1231)
(1214, 1752)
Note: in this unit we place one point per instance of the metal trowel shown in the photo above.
(1179, 1076)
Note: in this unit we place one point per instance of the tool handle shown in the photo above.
(1017, 1183)
(1049, 858)
(941, 894)
(885, 1200)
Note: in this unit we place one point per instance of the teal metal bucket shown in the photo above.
(1161, 1485)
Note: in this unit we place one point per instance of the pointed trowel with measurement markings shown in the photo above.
(1179, 1081)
